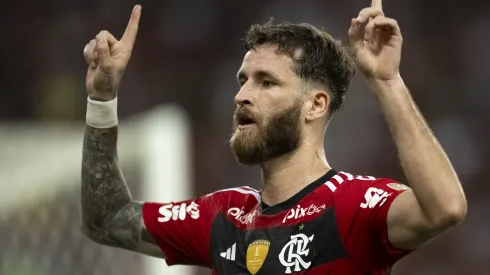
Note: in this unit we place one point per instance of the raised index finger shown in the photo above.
(377, 4)
(129, 35)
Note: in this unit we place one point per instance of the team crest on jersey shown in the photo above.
(398, 186)
(256, 254)
(293, 254)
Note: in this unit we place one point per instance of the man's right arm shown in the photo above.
(110, 216)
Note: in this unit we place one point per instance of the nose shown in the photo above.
(244, 97)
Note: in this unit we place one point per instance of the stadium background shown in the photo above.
(186, 54)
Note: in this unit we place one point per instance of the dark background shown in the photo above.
(187, 52)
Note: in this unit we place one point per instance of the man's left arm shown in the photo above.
(436, 201)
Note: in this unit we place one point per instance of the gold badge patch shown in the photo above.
(398, 186)
(256, 253)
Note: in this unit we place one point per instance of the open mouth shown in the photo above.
(244, 121)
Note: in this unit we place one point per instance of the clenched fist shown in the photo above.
(107, 59)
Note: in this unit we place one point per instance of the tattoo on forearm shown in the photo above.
(109, 216)
(126, 226)
(146, 237)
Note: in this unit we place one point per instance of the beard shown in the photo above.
(258, 143)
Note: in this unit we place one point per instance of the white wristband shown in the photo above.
(101, 114)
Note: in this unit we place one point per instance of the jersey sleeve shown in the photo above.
(364, 203)
(182, 229)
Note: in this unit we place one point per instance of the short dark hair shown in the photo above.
(323, 60)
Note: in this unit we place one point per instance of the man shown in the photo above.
(308, 217)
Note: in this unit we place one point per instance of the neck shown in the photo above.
(285, 176)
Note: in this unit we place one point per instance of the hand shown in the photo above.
(107, 59)
(377, 46)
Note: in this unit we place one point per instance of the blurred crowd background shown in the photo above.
(187, 53)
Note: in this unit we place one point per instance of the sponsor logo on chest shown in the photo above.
(241, 216)
(299, 212)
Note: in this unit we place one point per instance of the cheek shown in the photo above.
(274, 101)
(265, 121)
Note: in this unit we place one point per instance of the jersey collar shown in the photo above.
(295, 199)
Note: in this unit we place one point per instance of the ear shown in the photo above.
(317, 106)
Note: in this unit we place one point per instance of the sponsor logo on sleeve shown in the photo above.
(374, 197)
(299, 212)
(398, 186)
(178, 212)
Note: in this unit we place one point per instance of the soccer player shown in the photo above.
(307, 218)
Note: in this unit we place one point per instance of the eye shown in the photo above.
(267, 84)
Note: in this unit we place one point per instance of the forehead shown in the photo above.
(266, 58)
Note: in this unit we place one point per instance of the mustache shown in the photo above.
(242, 114)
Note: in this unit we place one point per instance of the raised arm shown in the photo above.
(109, 215)
(436, 201)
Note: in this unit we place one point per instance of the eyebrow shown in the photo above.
(258, 74)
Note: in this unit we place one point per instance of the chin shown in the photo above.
(247, 161)
(245, 151)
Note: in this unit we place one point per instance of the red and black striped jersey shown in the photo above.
(335, 225)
